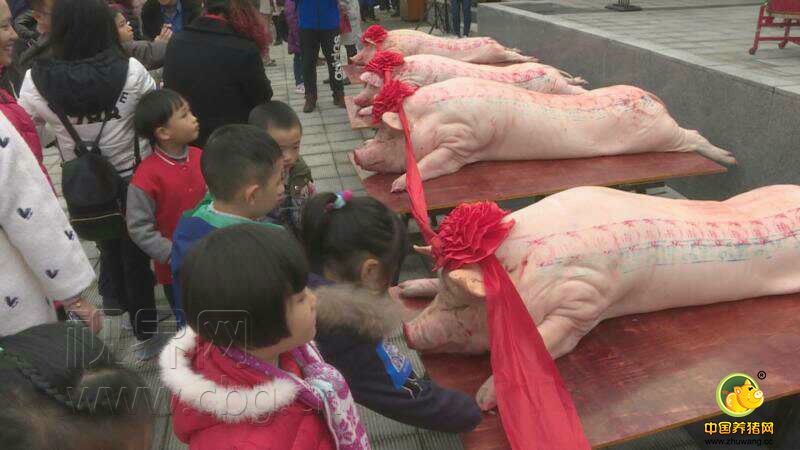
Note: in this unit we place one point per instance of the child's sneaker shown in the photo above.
(300, 88)
(151, 348)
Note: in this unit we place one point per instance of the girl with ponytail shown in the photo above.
(355, 246)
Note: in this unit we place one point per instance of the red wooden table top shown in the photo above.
(637, 375)
(357, 122)
(353, 73)
(506, 180)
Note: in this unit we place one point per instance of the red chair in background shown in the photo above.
(788, 14)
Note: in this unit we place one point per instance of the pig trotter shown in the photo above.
(426, 287)
(707, 149)
(399, 185)
(485, 397)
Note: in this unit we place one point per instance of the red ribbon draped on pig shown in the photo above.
(536, 409)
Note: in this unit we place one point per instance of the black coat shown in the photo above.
(153, 19)
(218, 71)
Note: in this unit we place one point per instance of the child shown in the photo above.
(245, 374)
(62, 389)
(293, 44)
(358, 244)
(166, 183)
(149, 53)
(243, 169)
(282, 124)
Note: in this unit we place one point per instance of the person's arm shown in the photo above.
(254, 82)
(141, 217)
(150, 54)
(30, 215)
(30, 100)
(419, 402)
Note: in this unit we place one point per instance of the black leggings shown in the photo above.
(310, 42)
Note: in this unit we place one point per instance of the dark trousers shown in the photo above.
(130, 280)
(125, 275)
(456, 7)
(310, 42)
(351, 50)
(177, 310)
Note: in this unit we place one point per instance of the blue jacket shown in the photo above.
(193, 226)
(378, 373)
(318, 14)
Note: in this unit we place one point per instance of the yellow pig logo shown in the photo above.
(738, 395)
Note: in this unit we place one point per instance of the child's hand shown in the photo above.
(88, 314)
(166, 34)
(311, 189)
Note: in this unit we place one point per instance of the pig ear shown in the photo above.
(424, 251)
(392, 119)
(737, 390)
(470, 280)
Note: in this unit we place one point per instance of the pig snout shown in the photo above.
(367, 155)
(441, 330)
(364, 56)
(365, 97)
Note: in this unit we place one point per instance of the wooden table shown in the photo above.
(507, 180)
(637, 375)
(357, 122)
(353, 73)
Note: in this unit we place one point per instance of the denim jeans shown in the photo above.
(457, 6)
(297, 66)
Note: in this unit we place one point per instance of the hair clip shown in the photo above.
(341, 200)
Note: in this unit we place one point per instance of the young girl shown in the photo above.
(244, 374)
(354, 247)
(63, 389)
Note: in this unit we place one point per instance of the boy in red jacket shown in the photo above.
(244, 373)
(166, 183)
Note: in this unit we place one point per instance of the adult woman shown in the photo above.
(29, 216)
(215, 63)
(96, 87)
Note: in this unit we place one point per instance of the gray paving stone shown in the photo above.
(321, 159)
(346, 146)
(315, 138)
(323, 172)
(328, 185)
(342, 136)
(314, 149)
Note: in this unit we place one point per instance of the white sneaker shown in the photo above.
(300, 88)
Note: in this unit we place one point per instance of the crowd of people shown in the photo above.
(182, 170)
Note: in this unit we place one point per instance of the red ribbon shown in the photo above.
(536, 409)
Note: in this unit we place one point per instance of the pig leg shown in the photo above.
(426, 287)
(558, 336)
(441, 161)
(365, 111)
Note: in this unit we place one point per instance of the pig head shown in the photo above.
(385, 153)
(365, 55)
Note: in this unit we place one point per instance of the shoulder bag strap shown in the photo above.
(80, 148)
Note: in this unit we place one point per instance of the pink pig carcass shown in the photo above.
(423, 70)
(590, 254)
(478, 50)
(461, 121)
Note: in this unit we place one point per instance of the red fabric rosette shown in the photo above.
(390, 98)
(374, 35)
(383, 63)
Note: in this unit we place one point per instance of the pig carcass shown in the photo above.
(463, 120)
(589, 254)
(423, 70)
(478, 50)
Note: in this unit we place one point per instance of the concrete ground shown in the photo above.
(717, 32)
